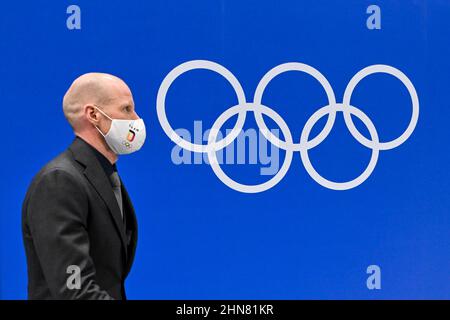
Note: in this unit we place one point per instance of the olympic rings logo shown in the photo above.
(126, 144)
(243, 107)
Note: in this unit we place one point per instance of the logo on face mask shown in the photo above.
(126, 144)
(131, 135)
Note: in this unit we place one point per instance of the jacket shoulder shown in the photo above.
(63, 164)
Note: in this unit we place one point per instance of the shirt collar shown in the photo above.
(104, 162)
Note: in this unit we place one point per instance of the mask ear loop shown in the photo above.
(96, 107)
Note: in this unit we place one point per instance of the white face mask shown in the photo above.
(124, 136)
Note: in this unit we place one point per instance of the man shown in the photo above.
(78, 222)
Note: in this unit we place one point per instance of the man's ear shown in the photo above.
(91, 114)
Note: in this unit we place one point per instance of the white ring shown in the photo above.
(212, 156)
(380, 68)
(304, 151)
(161, 103)
(294, 66)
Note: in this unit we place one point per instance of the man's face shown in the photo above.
(120, 106)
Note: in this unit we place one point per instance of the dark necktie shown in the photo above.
(115, 181)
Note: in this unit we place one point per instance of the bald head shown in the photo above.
(92, 89)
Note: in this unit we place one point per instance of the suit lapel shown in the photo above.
(97, 177)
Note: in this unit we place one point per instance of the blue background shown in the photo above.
(198, 239)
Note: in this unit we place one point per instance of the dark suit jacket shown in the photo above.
(70, 216)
